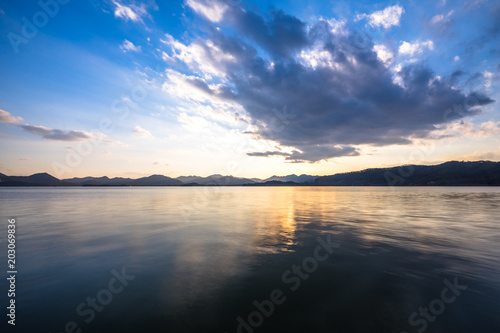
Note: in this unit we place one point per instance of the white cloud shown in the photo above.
(139, 131)
(225, 114)
(441, 18)
(203, 99)
(489, 128)
(488, 76)
(112, 143)
(397, 78)
(213, 10)
(437, 19)
(336, 26)
(387, 18)
(132, 12)
(317, 58)
(203, 57)
(383, 53)
(129, 46)
(411, 49)
(178, 84)
(166, 57)
(6, 117)
(126, 12)
(467, 129)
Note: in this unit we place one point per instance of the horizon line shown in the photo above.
(251, 178)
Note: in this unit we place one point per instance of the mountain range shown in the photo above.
(447, 174)
(452, 173)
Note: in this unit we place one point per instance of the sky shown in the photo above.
(246, 88)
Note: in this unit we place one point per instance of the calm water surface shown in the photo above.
(201, 256)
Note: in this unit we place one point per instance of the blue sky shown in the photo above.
(248, 88)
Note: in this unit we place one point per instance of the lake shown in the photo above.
(248, 259)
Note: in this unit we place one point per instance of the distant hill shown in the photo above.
(187, 179)
(97, 181)
(278, 183)
(156, 180)
(447, 174)
(216, 180)
(100, 181)
(78, 181)
(38, 179)
(293, 178)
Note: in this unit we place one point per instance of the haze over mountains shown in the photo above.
(446, 174)
(293, 178)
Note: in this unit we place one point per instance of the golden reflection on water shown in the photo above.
(199, 238)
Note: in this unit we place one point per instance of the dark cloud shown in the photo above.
(455, 76)
(55, 134)
(491, 32)
(495, 18)
(475, 81)
(268, 153)
(345, 97)
(318, 152)
(223, 92)
(311, 154)
(38, 130)
(280, 34)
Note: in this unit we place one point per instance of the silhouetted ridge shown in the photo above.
(449, 173)
(452, 173)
